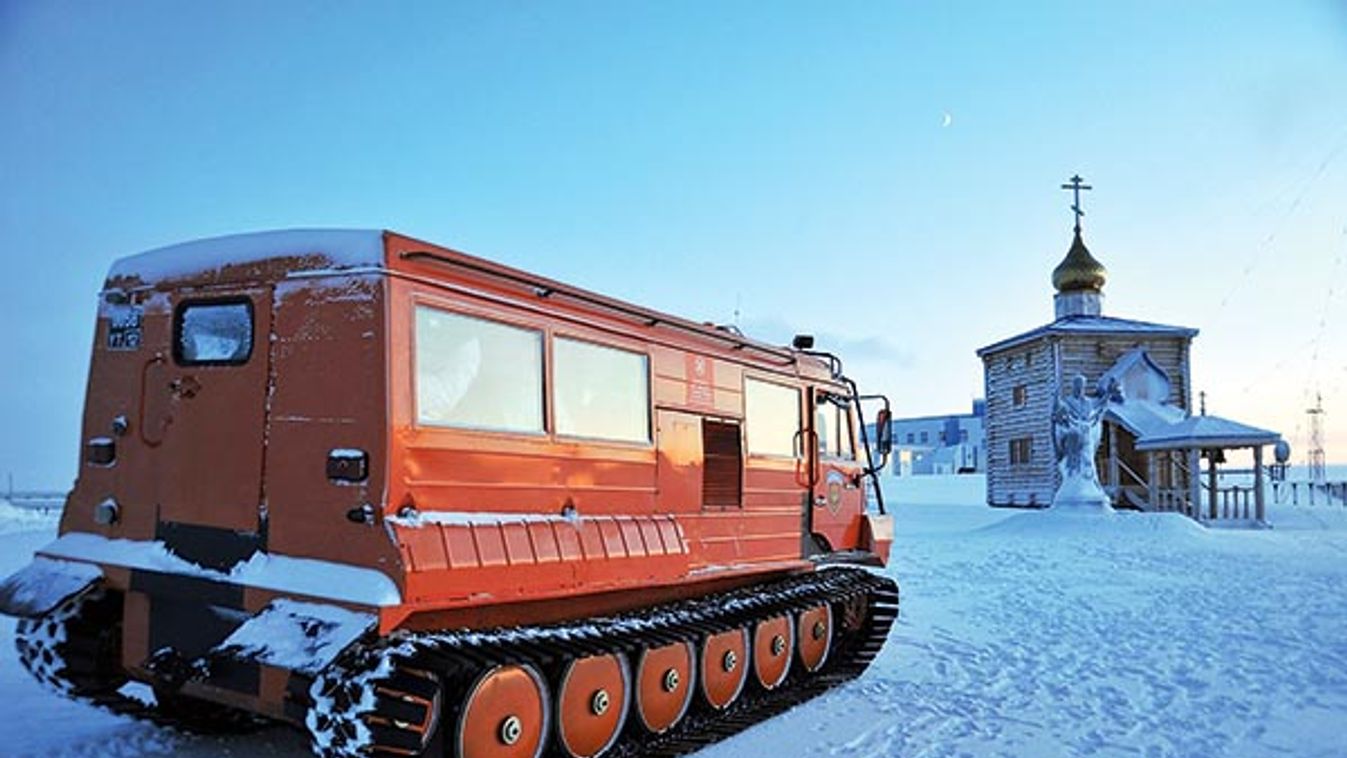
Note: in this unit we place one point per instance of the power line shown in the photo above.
(1261, 252)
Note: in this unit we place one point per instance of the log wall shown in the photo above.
(1092, 355)
(1043, 366)
(1033, 365)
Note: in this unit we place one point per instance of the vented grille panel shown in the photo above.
(722, 465)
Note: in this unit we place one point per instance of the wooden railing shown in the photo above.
(1312, 493)
(1235, 504)
(35, 500)
(1173, 500)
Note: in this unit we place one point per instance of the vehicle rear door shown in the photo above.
(206, 423)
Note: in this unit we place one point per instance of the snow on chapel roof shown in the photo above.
(1090, 325)
(331, 248)
(1202, 432)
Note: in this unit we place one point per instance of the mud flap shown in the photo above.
(302, 637)
(44, 584)
(877, 535)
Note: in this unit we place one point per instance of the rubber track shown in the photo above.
(458, 657)
(78, 681)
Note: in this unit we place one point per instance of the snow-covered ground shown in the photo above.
(1021, 634)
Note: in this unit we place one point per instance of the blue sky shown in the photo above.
(790, 161)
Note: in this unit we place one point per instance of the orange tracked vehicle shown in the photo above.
(419, 503)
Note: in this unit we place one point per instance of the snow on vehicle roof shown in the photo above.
(338, 248)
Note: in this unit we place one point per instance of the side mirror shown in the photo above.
(884, 432)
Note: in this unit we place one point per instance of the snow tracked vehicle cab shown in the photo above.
(418, 503)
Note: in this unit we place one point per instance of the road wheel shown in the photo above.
(664, 684)
(815, 633)
(773, 646)
(724, 667)
(592, 699)
(504, 715)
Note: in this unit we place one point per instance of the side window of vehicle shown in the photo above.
(823, 427)
(477, 374)
(834, 426)
(600, 392)
(846, 433)
(771, 418)
(213, 333)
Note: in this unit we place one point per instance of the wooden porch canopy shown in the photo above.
(1211, 434)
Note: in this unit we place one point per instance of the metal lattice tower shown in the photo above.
(1315, 463)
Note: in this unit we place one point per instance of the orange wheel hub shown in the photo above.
(724, 667)
(592, 701)
(773, 645)
(815, 632)
(664, 679)
(504, 715)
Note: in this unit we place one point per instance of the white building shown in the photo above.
(949, 444)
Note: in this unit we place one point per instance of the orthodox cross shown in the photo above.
(1076, 186)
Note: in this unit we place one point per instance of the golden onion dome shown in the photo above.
(1079, 270)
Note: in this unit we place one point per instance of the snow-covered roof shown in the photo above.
(1205, 432)
(1091, 325)
(1126, 362)
(1161, 426)
(1144, 418)
(329, 248)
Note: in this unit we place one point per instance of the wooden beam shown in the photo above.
(1195, 483)
(1211, 482)
(1259, 505)
(1152, 479)
(1113, 455)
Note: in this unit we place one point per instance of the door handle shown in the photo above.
(155, 415)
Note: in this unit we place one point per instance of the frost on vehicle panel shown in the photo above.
(43, 585)
(303, 637)
(302, 576)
